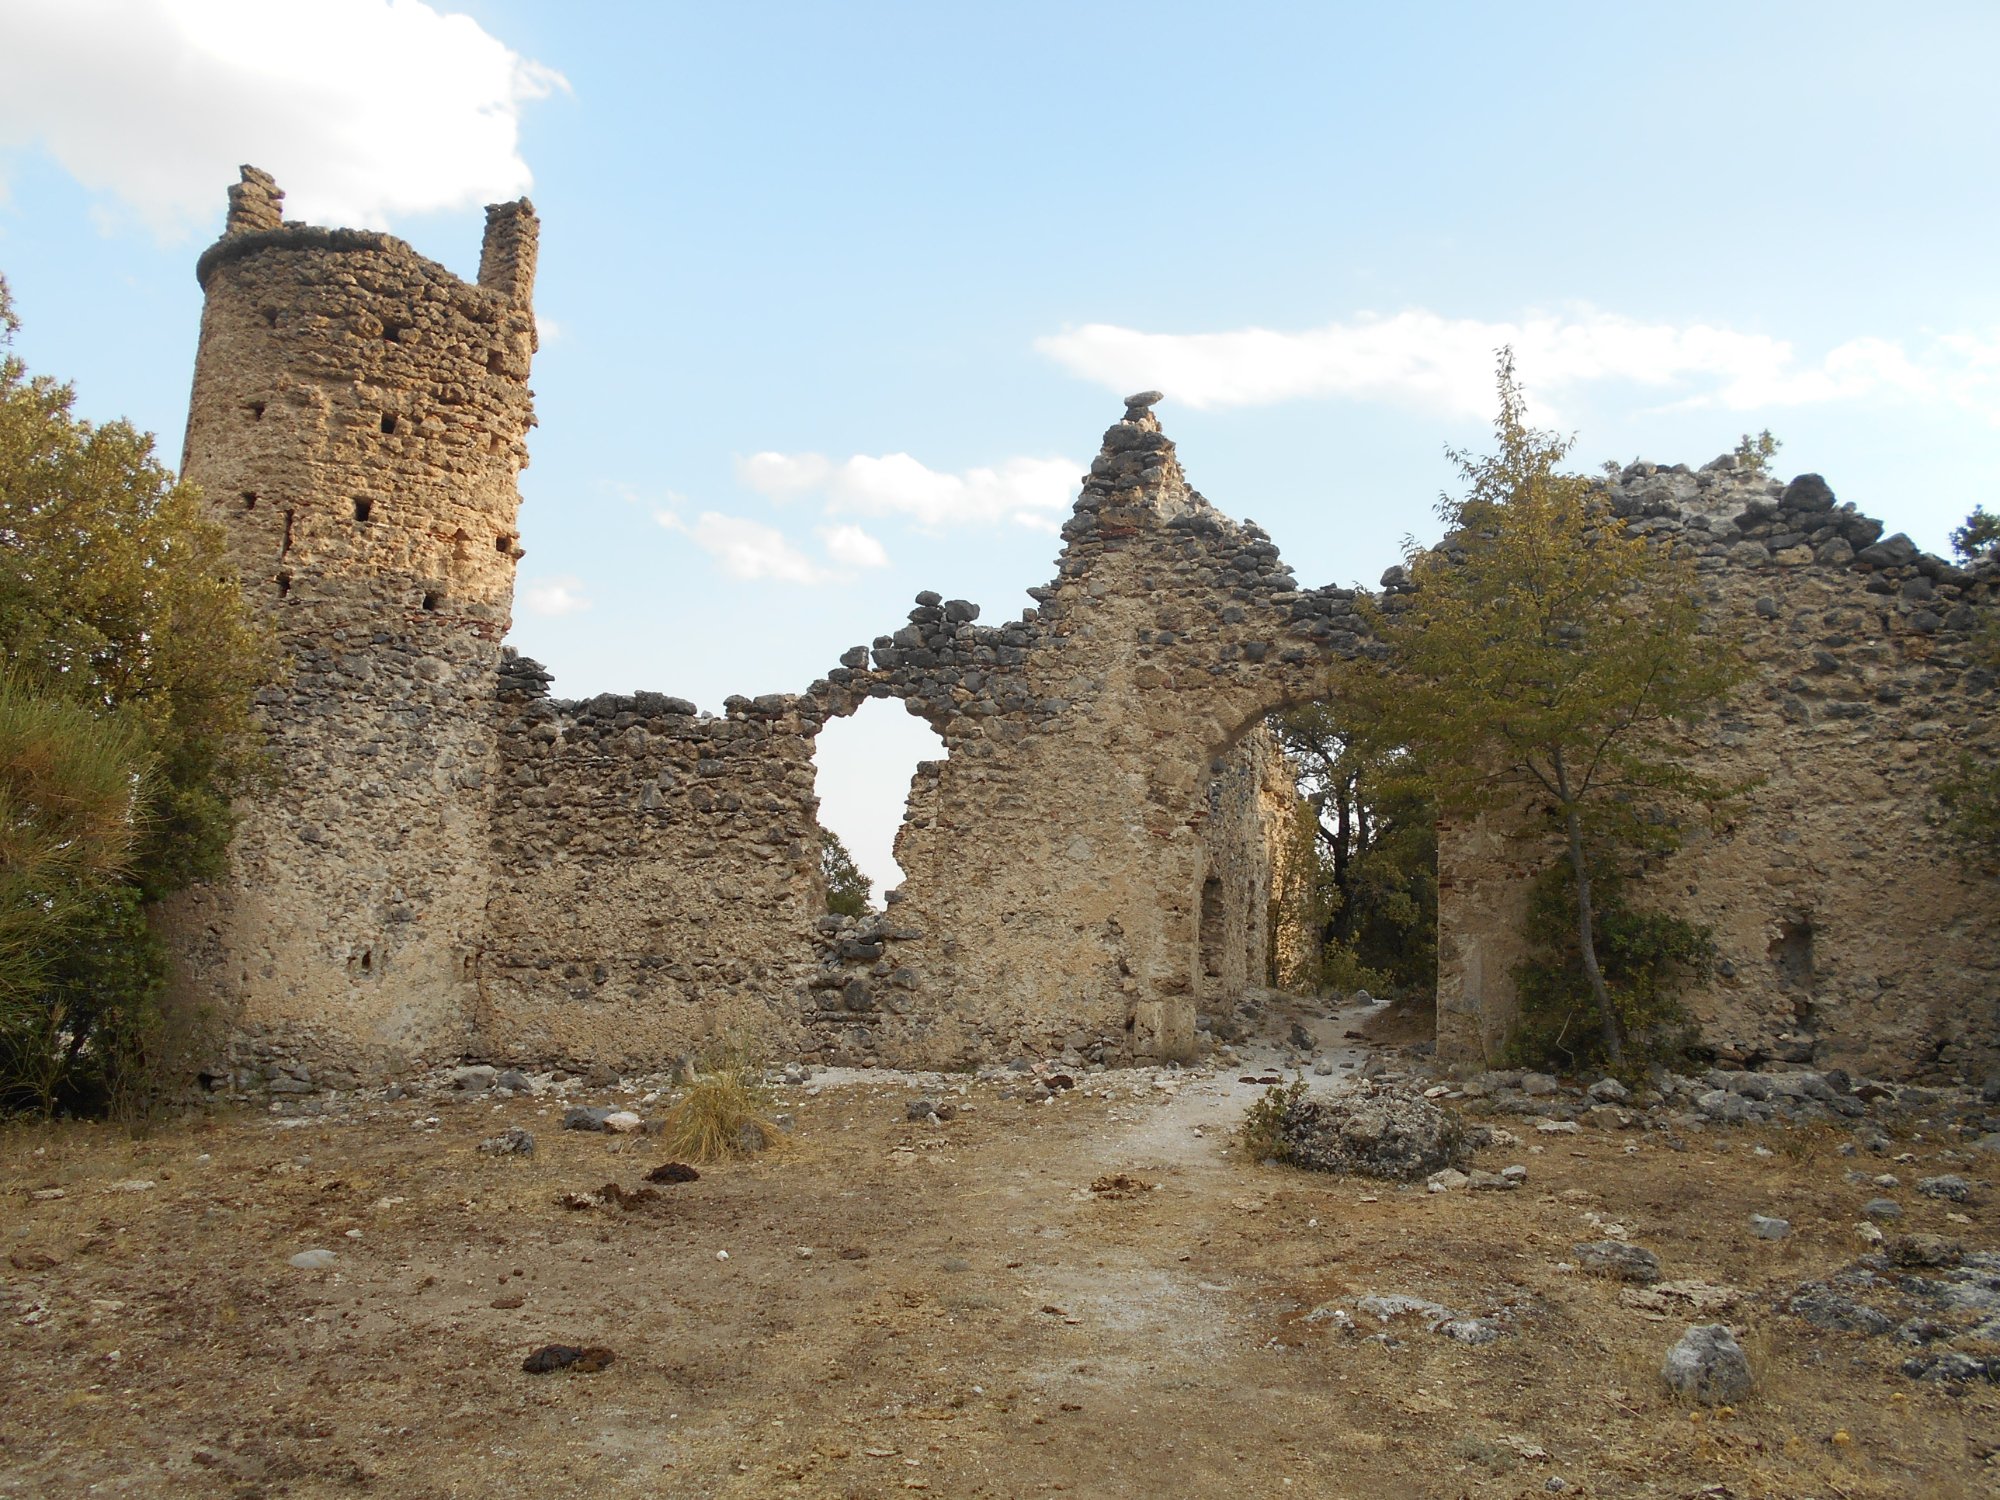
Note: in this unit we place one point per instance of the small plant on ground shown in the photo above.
(1263, 1130)
(722, 1115)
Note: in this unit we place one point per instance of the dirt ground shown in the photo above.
(946, 1308)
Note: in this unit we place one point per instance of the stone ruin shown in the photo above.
(459, 865)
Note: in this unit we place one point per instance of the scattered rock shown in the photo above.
(1470, 1330)
(475, 1079)
(1558, 1127)
(1882, 1208)
(920, 1109)
(1447, 1180)
(587, 1116)
(1824, 1308)
(623, 1122)
(1765, 1227)
(131, 1185)
(1951, 1368)
(673, 1171)
(313, 1260)
(513, 1141)
(1707, 1365)
(1682, 1298)
(1118, 1185)
(1377, 1131)
(1950, 1186)
(1495, 1182)
(1618, 1260)
(1609, 1091)
(1924, 1251)
(552, 1357)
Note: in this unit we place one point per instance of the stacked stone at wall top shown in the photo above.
(255, 203)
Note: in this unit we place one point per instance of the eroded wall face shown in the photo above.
(357, 421)
(1849, 932)
(1055, 863)
(655, 878)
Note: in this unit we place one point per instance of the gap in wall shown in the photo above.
(864, 764)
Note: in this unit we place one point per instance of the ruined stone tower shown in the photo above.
(357, 424)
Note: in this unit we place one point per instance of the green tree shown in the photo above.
(846, 886)
(1548, 657)
(1374, 848)
(1978, 537)
(116, 599)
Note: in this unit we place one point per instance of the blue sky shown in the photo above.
(838, 298)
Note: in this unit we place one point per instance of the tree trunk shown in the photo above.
(1586, 924)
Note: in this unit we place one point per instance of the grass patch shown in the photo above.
(722, 1115)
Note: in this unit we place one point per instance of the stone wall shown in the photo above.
(655, 877)
(1056, 861)
(457, 864)
(358, 418)
(1850, 933)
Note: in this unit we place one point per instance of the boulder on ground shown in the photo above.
(1378, 1131)
(1707, 1365)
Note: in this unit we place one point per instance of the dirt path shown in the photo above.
(915, 1307)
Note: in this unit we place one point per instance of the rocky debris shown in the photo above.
(1375, 1131)
(1680, 1298)
(673, 1171)
(313, 1260)
(587, 1116)
(1882, 1208)
(1951, 1368)
(1447, 1180)
(1119, 1185)
(1949, 1186)
(1460, 1328)
(612, 1195)
(1825, 1308)
(1618, 1260)
(475, 1079)
(513, 1141)
(1769, 1227)
(583, 1361)
(623, 1122)
(1707, 1365)
(1923, 1252)
(1496, 1182)
(1609, 1091)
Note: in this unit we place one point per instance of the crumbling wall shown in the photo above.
(655, 877)
(1849, 931)
(1054, 870)
(358, 418)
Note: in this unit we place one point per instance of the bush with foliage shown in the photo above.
(1646, 960)
(119, 611)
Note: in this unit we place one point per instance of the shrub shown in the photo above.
(722, 1115)
(1646, 957)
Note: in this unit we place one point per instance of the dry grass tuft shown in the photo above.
(722, 1115)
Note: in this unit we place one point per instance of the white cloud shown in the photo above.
(1025, 491)
(746, 549)
(364, 110)
(554, 597)
(1446, 364)
(853, 546)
